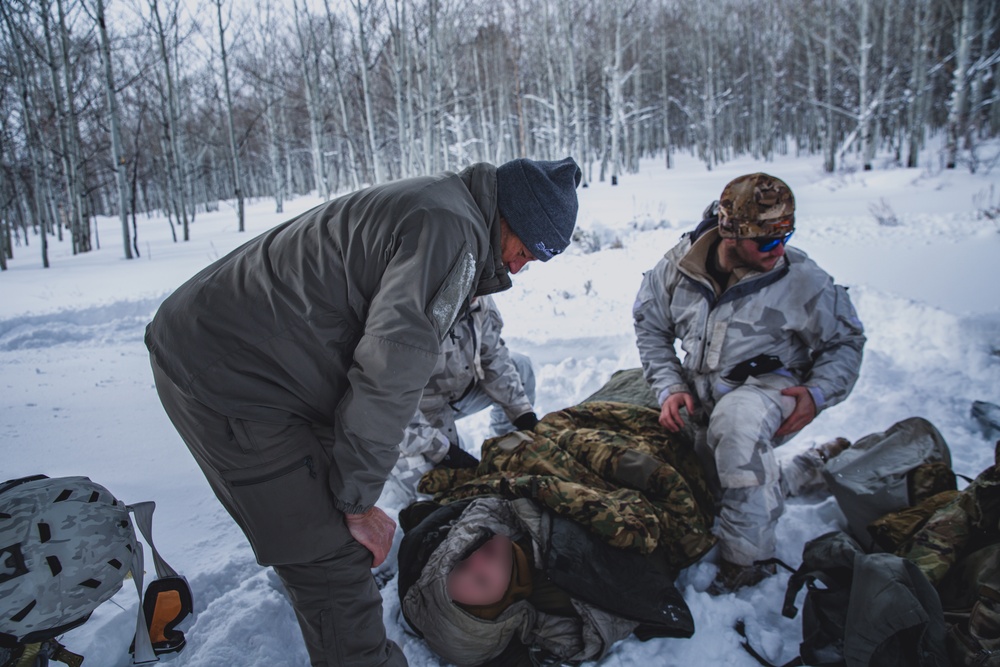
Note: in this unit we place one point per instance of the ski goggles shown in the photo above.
(769, 244)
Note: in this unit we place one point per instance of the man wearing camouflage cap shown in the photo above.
(770, 341)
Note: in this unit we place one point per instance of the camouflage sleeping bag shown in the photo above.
(609, 466)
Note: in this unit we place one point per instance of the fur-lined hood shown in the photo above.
(464, 639)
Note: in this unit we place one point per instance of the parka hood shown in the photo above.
(451, 632)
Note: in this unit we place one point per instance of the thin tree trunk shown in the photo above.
(918, 83)
(171, 121)
(62, 118)
(957, 111)
(117, 151)
(361, 9)
(665, 91)
(310, 53)
(233, 153)
(829, 138)
(401, 94)
(31, 139)
(80, 221)
(569, 21)
(864, 117)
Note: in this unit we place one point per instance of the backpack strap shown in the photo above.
(741, 630)
(142, 647)
(143, 513)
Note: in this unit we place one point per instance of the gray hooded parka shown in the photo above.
(335, 317)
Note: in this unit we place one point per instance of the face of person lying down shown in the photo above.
(483, 576)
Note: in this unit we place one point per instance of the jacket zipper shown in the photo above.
(307, 462)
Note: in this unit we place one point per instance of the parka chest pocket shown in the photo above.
(284, 505)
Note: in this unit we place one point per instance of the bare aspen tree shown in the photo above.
(117, 149)
(864, 110)
(917, 84)
(32, 141)
(707, 25)
(377, 89)
(338, 78)
(233, 152)
(556, 146)
(829, 138)
(665, 85)
(363, 10)
(170, 119)
(310, 52)
(884, 77)
(957, 106)
(617, 78)
(568, 17)
(80, 210)
(272, 103)
(398, 33)
(485, 133)
(521, 148)
(65, 151)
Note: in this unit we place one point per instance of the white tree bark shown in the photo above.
(309, 52)
(27, 119)
(233, 152)
(171, 122)
(362, 8)
(957, 108)
(117, 149)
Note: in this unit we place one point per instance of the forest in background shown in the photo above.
(132, 107)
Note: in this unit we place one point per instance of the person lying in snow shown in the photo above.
(565, 539)
(561, 542)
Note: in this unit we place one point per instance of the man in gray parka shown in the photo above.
(474, 371)
(291, 366)
(769, 342)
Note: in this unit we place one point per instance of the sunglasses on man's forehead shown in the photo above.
(769, 244)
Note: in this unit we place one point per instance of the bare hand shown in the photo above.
(374, 530)
(670, 412)
(804, 412)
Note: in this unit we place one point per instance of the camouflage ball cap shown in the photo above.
(755, 206)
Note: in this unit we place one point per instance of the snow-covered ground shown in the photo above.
(78, 398)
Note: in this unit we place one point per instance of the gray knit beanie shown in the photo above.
(538, 200)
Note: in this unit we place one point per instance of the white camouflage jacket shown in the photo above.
(471, 353)
(794, 312)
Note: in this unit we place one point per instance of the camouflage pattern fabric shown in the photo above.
(66, 544)
(893, 529)
(756, 205)
(970, 596)
(970, 521)
(928, 480)
(609, 466)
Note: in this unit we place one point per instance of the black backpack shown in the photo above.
(863, 610)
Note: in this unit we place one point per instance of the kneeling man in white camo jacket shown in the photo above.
(769, 342)
(474, 371)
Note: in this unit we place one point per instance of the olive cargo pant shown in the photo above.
(271, 479)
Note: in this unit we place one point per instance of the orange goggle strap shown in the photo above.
(167, 602)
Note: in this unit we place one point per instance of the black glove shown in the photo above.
(458, 458)
(526, 422)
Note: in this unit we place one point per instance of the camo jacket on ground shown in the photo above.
(609, 466)
(472, 353)
(794, 312)
(968, 522)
